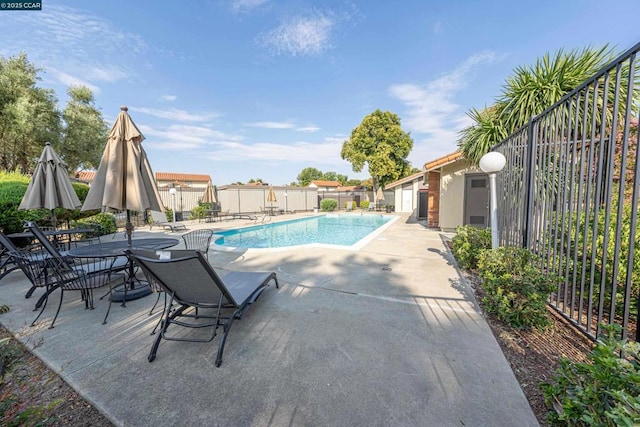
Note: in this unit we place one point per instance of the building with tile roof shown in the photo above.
(324, 185)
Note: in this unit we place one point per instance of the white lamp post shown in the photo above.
(491, 163)
(286, 205)
(172, 191)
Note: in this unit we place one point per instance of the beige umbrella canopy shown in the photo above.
(271, 197)
(209, 194)
(124, 180)
(50, 186)
(379, 194)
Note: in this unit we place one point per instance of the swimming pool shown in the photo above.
(342, 230)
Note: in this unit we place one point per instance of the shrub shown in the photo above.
(516, 290)
(106, 221)
(467, 244)
(602, 392)
(365, 204)
(328, 205)
(13, 185)
(199, 211)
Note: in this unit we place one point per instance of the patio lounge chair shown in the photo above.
(160, 219)
(191, 283)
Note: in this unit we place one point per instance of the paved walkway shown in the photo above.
(387, 335)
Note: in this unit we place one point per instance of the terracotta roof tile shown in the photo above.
(86, 176)
(321, 183)
(442, 161)
(403, 180)
(191, 177)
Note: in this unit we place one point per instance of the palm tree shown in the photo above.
(528, 92)
(487, 130)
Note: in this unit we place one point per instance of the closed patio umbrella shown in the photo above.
(271, 197)
(209, 194)
(124, 180)
(50, 186)
(379, 195)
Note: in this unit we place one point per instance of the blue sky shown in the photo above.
(242, 89)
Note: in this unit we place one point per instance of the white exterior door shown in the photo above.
(407, 200)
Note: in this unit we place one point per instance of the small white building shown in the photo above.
(449, 192)
(324, 185)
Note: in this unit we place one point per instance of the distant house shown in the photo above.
(85, 176)
(410, 194)
(448, 192)
(192, 180)
(324, 185)
(462, 195)
(189, 190)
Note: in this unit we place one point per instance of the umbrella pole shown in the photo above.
(129, 231)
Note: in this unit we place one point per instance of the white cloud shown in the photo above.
(176, 114)
(69, 80)
(301, 35)
(326, 152)
(432, 112)
(179, 137)
(308, 129)
(169, 98)
(431, 107)
(270, 125)
(239, 6)
(75, 43)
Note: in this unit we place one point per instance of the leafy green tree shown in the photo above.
(28, 114)
(379, 142)
(353, 182)
(342, 179)
(307, 175)
(330, 176)
(528, 92)
(85, 131)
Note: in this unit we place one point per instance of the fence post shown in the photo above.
(529, 186)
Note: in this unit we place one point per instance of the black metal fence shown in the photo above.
(569, 192)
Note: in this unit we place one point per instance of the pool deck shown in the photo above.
(386, 335)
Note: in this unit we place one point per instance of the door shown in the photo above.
(423, 204)
(476, 208)
(407, 200)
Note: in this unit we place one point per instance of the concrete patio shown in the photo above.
(387, 335)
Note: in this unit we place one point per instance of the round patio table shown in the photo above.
(117, 248)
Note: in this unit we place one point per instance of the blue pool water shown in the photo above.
(345, 230)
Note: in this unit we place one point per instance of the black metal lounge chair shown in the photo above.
(191, 283)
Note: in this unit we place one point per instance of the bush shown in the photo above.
(328, 205)
(602, 392)
(106, 221)
(468, 243)
(365, 204)
(13, 185)
(516, 290)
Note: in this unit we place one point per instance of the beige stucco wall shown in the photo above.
(452, 193)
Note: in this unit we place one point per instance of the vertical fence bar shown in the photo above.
(528, 185)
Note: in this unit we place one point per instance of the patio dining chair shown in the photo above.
(198, 240)
(78, 273)
(36, 269)
(192, 283)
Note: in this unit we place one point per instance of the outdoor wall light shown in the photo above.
(491, 163)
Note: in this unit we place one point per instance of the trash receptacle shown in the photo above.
(178, 216)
